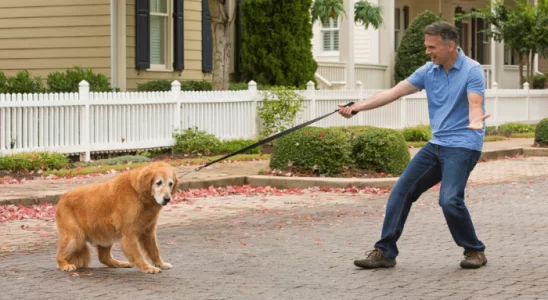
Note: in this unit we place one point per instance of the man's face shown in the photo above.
(437, 49)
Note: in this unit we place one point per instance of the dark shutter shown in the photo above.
(207, 44)
(142, 34)
(178, 36)
(458, 24)
(239, 38)
(405, 17)
(473, 53)
(481, 36)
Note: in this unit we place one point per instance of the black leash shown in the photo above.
(272, 137)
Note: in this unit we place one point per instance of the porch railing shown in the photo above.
(332, 75)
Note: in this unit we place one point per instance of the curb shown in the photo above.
(306, 182)
(287, 182)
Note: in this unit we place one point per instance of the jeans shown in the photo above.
(432, 164)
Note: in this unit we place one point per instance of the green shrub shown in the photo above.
(380, 150)
(420, 133)
(164, 85)
(516, 128)
(30, 161)
(541, 132)
(69, 81)
(196, 86)
(21, 83)
(230, 146)
(411, 52)
(238, 86)
(279, 108)
(324, 150)
(194, 141)
(154, 86)
(114, 161)
(277, 48)
(491, 130)
(539, 81)
(3, 83)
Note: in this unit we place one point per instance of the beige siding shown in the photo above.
(54, 35)
(193, 48)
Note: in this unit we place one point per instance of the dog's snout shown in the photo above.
(167, 199)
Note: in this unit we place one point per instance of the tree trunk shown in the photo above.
(220, 30)
(527, 77)
(532, 70)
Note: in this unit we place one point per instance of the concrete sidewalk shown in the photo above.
(239, 173)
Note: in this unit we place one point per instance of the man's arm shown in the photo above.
(403, 88)
(476, 115)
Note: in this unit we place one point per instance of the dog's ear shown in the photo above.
(175, 183)
(144, 180)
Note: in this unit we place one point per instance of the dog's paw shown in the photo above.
(165, 266)
(151, 270)
(123, 264)
(68, 268)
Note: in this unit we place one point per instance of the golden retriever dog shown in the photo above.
(124, 208)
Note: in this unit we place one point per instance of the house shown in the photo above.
(129, 41)
(347, 53)
(135, 41)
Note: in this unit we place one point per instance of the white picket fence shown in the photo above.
(88, 122)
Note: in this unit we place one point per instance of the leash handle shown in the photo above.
(349, 104)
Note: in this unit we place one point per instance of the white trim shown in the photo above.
(121, 45)
(113, 44)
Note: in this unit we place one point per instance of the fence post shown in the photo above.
(527, 100)
(176, 96)
(496, 106)
(311, 91)
(83, 93)
(252, 88)
(403, 112)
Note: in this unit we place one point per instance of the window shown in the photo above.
(510, 56)
(159, 32)
(159, 35)
(397, 28)
(401, 19)
(330, 34)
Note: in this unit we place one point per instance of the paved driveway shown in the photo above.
(301, 245)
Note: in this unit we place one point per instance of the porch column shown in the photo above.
(346, 43)
(387, 41)
(535, 66)
(494, 67)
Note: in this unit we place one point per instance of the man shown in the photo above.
(455, 88)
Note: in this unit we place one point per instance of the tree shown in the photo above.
(220, 30)
(523, 28)
(364, 12)
(277, 47)
(411, 52)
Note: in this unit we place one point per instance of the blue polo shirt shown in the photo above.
(448, 101)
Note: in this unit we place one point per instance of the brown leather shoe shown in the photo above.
(473, 259)
(374, 260)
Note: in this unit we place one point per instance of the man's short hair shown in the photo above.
(447, 31)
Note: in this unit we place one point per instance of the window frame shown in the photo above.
(330, 29)
(168, 38)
